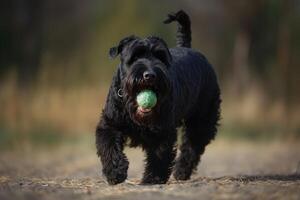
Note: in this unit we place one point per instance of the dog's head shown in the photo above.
(144, 65)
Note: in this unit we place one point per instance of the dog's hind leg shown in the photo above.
(199, 131)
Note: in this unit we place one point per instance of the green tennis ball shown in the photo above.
(146, 99)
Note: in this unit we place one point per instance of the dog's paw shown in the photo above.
(153, 180)
(116, 171)
(182, 174)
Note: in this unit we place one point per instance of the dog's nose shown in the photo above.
(149, 76)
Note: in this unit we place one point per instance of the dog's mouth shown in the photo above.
(139, 112)
(144, 110)
(144, 115)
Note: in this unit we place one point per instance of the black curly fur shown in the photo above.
(188, 95)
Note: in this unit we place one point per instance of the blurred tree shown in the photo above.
(283, 56)
(21, 37)
(243, 14)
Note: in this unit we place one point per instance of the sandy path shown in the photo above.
(229, 170)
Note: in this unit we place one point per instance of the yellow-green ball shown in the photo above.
(146, 99)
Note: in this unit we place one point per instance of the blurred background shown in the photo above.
(55, 71)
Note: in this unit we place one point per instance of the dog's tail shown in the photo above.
(183, 36)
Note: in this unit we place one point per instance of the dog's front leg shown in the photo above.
(109, 143)
(159, 163)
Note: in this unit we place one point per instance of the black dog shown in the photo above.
(187, 95)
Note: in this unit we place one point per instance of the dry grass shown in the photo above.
(72, 110)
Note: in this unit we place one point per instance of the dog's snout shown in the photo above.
(149, 76)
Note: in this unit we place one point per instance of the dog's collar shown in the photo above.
(120, 93)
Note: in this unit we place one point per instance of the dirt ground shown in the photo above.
(228, 170)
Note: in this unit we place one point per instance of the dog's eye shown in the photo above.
(161, 55)
(139, 53)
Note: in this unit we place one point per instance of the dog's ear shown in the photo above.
(115, 51)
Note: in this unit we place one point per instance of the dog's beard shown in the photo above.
(134, 83)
